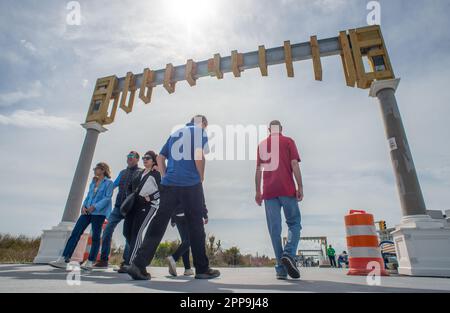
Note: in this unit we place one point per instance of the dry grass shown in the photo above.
(18, 249)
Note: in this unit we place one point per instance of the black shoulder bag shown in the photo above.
(128, 205)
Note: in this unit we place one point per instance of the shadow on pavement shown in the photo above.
(186, 284)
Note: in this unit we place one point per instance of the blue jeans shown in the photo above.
(81, 225)
(113, 220)
(293, 220)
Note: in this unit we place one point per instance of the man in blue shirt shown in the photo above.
(181, 185)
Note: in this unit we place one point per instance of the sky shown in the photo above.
(49, 68)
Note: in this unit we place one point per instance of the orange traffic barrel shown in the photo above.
(89, 244)
(363, 245)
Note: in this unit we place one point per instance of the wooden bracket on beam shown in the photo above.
(129, 87)
(288, 58)
(191, 71)
(214, 66)
(237, 60)
(361, 79)
(262, 60)
(105, 90)
(315, 50)
(147, 83)
(109, 119)
(168, 76)
(347, 60)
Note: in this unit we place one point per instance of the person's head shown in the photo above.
(200, 121)
(275, 127)
(102, 170)
(149, 159)
(344, 252)
(330, 246)
(132, 159)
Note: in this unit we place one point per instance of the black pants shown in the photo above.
(135, 224)
(183, 249)
(191, 199)
(332, 260)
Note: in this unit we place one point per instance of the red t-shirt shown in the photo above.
(278, 180)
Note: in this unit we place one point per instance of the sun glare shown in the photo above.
(189, 11)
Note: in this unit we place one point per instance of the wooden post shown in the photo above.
(168, 75)
(317, 64)
(130, 86)
(262, 61)
(288, 58)
(191, 70)
(147, 83)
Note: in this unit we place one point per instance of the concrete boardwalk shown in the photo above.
(37, 278)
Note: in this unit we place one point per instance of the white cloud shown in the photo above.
(36, 119)
(28, 45)
(11, 98)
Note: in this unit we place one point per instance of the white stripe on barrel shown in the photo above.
(364, 252)
(363, 230)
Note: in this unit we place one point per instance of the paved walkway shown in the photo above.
(38, 278)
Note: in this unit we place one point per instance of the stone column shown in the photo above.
(422, 244)
(408, 186)
(75, 198)
(54, 240)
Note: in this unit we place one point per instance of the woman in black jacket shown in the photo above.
(146, 204)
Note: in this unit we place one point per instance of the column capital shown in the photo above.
(379, 85)
(95, 126)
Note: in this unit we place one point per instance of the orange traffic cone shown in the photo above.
(363, 244)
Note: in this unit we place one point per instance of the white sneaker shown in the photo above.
(188, 272)
(59, 263)
(172, 266)
(87, 266)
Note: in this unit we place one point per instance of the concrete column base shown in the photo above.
(53, 242)
(423, 246)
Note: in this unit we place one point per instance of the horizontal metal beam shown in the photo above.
(274, 56)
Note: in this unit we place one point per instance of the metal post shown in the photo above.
(410, 193)
(75, 198)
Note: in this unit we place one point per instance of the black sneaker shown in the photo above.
(123, 269)
(138, 274)
(101, 265)
(291, 266)
(282, 277)
(210, 274)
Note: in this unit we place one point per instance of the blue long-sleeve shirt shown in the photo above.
(102, 199)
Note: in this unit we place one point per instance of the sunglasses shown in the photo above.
(131, 156)
(146, 158)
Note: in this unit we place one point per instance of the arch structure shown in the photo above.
(365, 64)
(359, 48)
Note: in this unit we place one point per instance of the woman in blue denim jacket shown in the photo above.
(96, 208)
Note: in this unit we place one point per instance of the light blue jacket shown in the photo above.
(101, 199)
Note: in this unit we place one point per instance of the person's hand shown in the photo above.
(258, 198)
(299, 194)
(83, 211)
(147, 198)
(90, 210)
(205, 221)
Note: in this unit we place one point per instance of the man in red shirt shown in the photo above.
(277, 164)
